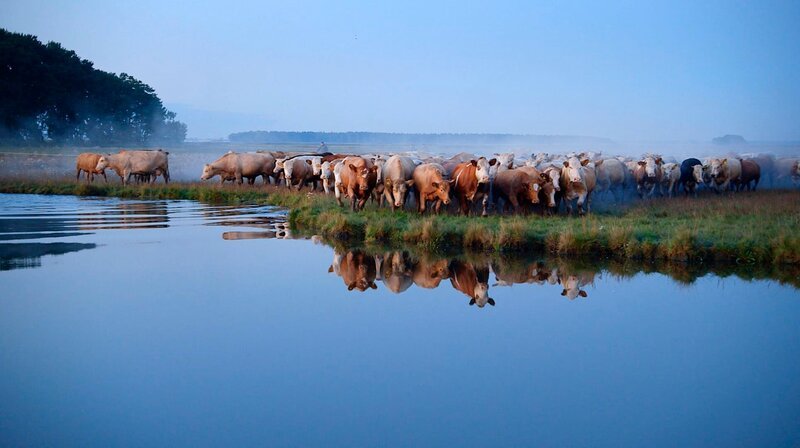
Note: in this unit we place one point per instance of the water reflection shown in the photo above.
(362, 270)
(24, 218)
(29, 255)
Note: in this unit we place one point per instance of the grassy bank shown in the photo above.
(748, 228)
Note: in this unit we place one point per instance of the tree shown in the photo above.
(50, 95)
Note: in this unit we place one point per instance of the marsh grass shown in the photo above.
(746, 228)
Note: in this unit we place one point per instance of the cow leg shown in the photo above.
(78, 177)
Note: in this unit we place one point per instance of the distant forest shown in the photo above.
(399, 138)
(49, 95)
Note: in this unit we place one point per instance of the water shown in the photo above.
(173, 323)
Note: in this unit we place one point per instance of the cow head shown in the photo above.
(102, 163)
(316, 165)
(652, 167)
(208, 172)
(482, 167)
(572, 171)
(365, 177)
(572, 287)
(480, 296)
(532, 190)
(400, 190)
(442, 190)
(555, 176)
(718, 169)
(697, 174)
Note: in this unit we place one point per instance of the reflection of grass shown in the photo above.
(748, 228)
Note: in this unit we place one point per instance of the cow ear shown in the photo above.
(351, 286)
(563, 292)
(308, 161)
(582, 293)
(373, 285)
(374, 168)
(410, 183)
(473, 162)
(330, 268)
(566, 164)
(353, 167)
(642, 163)
(584, 162)
(658, 160)
(598, 163)
(544, 177)
(435, 184)
(471, 302)
(724, 161)
(490, 301)
(492, 162)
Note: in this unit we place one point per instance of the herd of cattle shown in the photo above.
(476, 183)
(399, 271)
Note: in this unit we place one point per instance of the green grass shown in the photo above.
(747, 228)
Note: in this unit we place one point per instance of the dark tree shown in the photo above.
(50, 95)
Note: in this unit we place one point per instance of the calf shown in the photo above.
(87, 162)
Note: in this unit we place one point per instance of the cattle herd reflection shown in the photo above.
(477, 275)
(399, 270)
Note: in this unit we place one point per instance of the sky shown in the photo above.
(671, 71)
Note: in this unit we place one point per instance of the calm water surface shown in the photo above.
(174, 323)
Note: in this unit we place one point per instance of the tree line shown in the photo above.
(49, 95)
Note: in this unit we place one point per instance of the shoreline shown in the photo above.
(749, 228)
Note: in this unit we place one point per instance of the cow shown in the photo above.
(515, 187)
(612, 173)
(357, 179)
(428, 273)
(87, 162)
(670, 175)
(788, 169)
(725, 173)
(398, 172)
(145, 162)
(236, 166)
(648, 175)
(572, 283)
(471, 280)
(690, 179)
(577, 183)
(547, 189)
(471, 182)
(431, 184)
(751, 174)
(299, 171)
(357, 269)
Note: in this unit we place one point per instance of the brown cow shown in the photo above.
(358, 178)
(516, 187)
(751, 174)
(87, 161)
(577, 183)
(471, 183)
(547, 190)
(430, 184)
(472, 281)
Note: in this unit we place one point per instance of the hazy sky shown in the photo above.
(625, 70)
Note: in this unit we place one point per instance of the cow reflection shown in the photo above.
(357, 269)
(396, 271)
(472, 280)
(572, 281)
(510, 272)
(428, 274)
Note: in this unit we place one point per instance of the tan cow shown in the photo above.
(398, 172)
(428, 273)
(139, 162)
(431, 184)
(725, 173)
(577, 183)
(299, 171)
(611, 173)
(647, 175)
(87, 162)
(236, 166)
(670, 175)
(397, 271)
(788, 169)
(751, 175)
